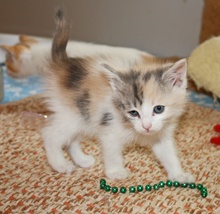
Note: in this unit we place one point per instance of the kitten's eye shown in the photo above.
(134, 113)
(159, 109)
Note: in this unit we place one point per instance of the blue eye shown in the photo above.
(134, 113)
(159, 109)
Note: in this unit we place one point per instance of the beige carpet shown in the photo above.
(29, 185)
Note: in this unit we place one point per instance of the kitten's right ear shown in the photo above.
(113, 77)
(176, 75)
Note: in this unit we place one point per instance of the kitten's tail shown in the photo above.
(61, 36)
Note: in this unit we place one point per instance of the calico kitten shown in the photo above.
(116, 101)
(27, 57)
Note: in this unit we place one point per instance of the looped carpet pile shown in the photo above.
(29, 185)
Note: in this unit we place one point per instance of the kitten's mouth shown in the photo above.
(148, 132)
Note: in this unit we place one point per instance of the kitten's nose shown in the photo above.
(147, 126)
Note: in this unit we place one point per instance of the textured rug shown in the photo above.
(29, 185)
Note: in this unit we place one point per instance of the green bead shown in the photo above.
(102, 181)
(176, 184)
(148, 187)
(102, 186)
(123, 190)
(169, 183)
(114, 189)
(192, 186)
(204, 189)
(156, 187)
(184, 185)
(199, 186)
(161, 184)
(140, 188)
(204, 194)
(132, 189)
(107, 188)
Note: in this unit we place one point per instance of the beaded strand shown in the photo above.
(148, 187)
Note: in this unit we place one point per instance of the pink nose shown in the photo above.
(147, 127)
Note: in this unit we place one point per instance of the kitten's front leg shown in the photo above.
(113, 158)
(166, 153)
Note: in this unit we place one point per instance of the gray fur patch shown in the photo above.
(76, 73)
(158, 75)
(118, 104)
(83, 102)
(106, 119)
(131, 79)
(147, 76)
(138, 94)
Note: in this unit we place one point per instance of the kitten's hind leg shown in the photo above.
(79, 157)
(54, 141)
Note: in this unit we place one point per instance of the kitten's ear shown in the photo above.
(9, 49)
(27, 39)
(113, 77)
(176, 75)
(17, 51)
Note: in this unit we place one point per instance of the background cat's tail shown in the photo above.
(61, 36)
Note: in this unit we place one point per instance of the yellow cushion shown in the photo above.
(204, 66)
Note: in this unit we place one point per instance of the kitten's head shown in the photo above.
(18, 56)
(152, 99)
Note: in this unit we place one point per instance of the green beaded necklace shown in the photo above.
(148, 187)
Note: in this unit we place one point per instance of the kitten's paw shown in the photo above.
(183, 177)
(65, 167)
(85, 161)
(117, 174)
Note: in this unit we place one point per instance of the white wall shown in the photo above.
(162, 27)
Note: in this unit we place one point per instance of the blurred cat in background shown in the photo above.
(30, 55)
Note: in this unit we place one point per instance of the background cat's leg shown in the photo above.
(79, 157)
(167, 154)
(55, 137)
(113, 158)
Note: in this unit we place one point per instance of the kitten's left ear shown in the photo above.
(114, 79)
(176, 75)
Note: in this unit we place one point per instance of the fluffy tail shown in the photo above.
(61, 36)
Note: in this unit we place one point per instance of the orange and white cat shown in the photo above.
(29, 56)
(117, 101)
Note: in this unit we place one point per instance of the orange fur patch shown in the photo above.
(28, 40)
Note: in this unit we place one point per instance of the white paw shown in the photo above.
(183, 177)
(117, 174)
(85, 161)
(65, 167)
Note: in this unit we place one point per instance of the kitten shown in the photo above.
(27, 57)
(118, 102)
